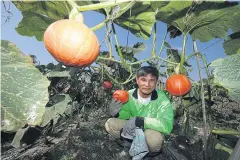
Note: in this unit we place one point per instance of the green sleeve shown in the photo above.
(125, 112)
(164, 120)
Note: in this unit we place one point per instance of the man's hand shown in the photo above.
(114, 107)
(130, 126)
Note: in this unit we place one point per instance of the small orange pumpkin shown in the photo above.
(178, 85)
(121, 95)
(71, 42)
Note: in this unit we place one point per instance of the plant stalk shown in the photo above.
(156, 57)
(109, 59)
(161, 49)
(101, 5)
(154, 40)
(208, 91)
(100, 25)
(109, 42)
(183, 53)
(203, 100)
(118, 48)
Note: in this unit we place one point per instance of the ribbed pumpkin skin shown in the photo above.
(121, 95)
(178, 85)
(71, 42)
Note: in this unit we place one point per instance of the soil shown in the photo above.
(81, 138)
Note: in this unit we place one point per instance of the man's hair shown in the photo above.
(143, 71)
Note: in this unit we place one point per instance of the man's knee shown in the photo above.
(109, 124)
(114, 125)
(154, 140)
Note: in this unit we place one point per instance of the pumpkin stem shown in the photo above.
(72, 3)
(183, 53)
(177, 69)
(76, 15)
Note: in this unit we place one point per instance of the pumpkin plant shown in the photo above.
(70, 41)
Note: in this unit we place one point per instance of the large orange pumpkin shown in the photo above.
(71, 42)
(178, 85)
(121, 95)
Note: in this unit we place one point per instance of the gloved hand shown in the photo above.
(114, 107)
(128, 130)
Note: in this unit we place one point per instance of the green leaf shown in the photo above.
(140, 22)
(172, 11)
(167, 44)
(24, 90)
(213, 22)
(56, 111)
(130, 52)
(37, 16)
(136, 66)
(232, 44)
(227, 74)
(236, 22)
(174, 56)
(204, 21)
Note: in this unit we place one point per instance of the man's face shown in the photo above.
(146, 83)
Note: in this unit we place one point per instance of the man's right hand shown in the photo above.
(114, 107)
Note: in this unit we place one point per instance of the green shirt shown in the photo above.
(158, 113)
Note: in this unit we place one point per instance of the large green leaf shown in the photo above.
(232, 44)
(140, 22)
(171, 11)
(204, 21)
(213, 22)
(227, 74)
(38, 15)
(24, 90)
(236, 21)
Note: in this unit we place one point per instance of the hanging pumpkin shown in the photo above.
(178, 85)
(121, 95)
(71, 42)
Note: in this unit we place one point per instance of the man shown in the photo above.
(147, 108)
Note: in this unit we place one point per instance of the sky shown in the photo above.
(30, 45)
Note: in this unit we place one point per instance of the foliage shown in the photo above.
(129, 52)
(23, 89)
(204, 21)
(227, 74)
(138, 20)
(232, 44)
(45, 12)
(173, 56)
(60, 107)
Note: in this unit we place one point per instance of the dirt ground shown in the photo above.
(81, 138)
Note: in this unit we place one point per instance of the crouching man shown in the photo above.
(147, 108)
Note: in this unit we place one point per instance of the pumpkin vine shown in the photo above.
(154, 40)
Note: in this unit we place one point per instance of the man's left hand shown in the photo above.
(131, 125)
